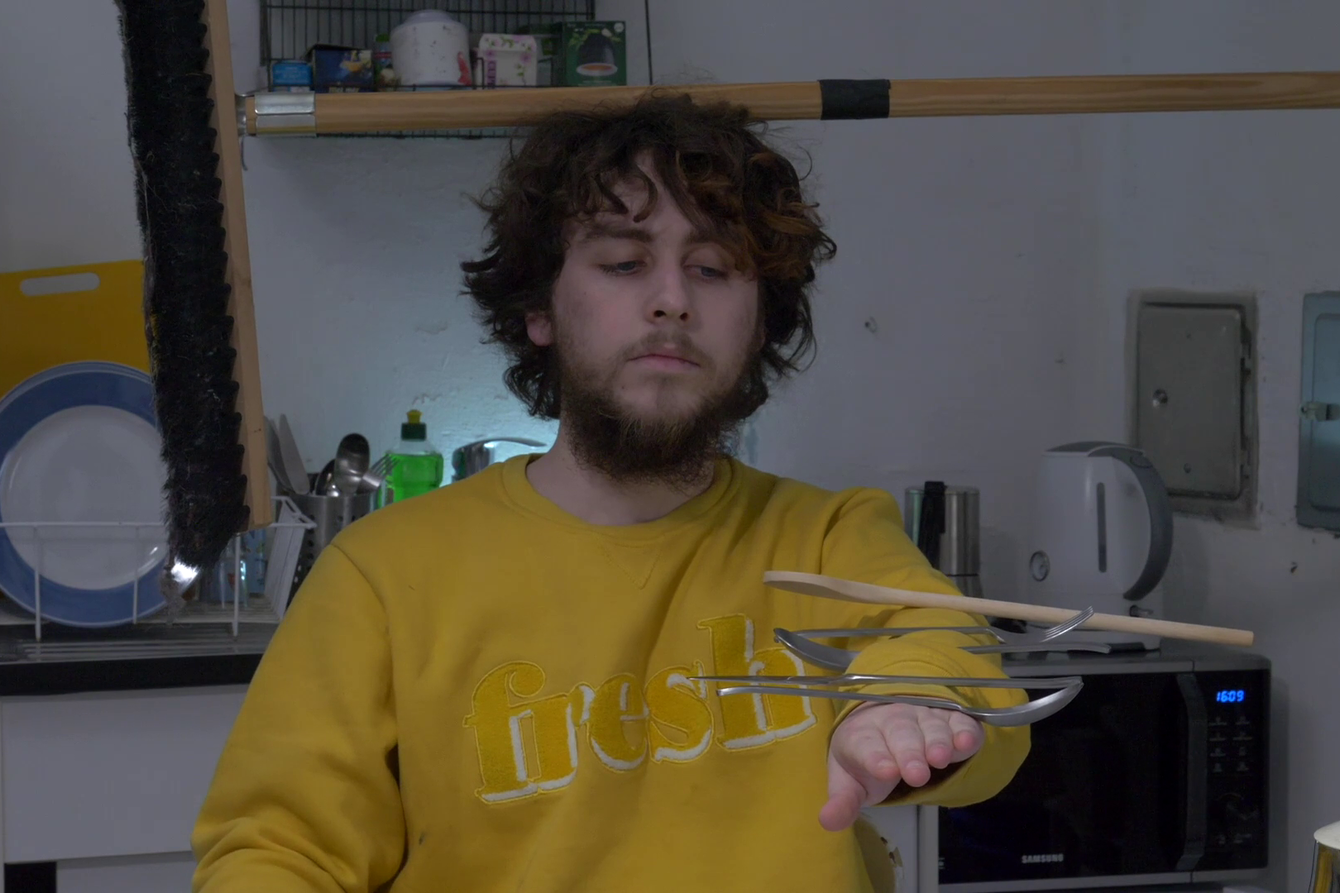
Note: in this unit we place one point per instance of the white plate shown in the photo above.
(78, 444)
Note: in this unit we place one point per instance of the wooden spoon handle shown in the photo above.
(868, 593)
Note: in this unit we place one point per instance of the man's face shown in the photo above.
(654, 327)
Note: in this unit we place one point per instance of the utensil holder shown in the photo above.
(330, 514)
(954, 548)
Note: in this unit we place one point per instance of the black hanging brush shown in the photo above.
(197, 287)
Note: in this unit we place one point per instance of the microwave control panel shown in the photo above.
(1237, 717)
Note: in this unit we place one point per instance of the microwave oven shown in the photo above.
(1156, 774)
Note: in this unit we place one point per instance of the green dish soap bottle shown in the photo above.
(417, 467)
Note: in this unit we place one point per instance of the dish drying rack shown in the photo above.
(239, 622)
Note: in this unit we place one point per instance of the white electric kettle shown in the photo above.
(1101, 535)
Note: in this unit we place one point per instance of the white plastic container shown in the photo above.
(431, 49)
(506, 60)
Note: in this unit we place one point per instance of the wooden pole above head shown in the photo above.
(393, 112)
(1107, 94)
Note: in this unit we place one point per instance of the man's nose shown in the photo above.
(671, 298)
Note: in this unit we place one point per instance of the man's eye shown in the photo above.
(621, 269)
(712, 272)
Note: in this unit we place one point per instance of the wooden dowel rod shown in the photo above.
(1116, 93)
(467, 109)
(867, 593)
(246, 363)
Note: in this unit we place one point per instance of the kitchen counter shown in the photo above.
(195, 648)
(127, 659)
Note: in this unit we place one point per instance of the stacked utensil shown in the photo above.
(343, 491)
(848, 686)
(348, 474)
(854, 686)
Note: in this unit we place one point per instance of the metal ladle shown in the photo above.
(350, 463)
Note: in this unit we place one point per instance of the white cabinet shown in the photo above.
(141, 874)
(119, 774)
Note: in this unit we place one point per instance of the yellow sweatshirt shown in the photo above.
(475, 691)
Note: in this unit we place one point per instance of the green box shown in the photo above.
(583, 54)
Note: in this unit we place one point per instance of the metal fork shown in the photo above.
(376, 474)
(839, 659)
(1002, 636)
(1005, 717)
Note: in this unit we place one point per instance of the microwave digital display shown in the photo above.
(1230, 696)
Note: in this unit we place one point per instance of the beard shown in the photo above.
(676, 447)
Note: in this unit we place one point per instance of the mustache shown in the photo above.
(678, 345)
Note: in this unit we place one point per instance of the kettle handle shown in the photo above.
(931, 523)
(1160, 517)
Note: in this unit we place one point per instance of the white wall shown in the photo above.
(1225, 202)
(994, 256)
(966, 241)
(67, 193)
(997, 256)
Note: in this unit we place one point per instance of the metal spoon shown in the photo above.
(325, 485)
(351, 462)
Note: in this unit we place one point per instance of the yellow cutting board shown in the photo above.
(71, 314)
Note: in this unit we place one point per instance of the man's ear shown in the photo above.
(540, 328)
(760, 336)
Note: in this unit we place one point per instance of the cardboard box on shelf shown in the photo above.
(582, 54)
(340, 69)
(290, 76)
(507, 60)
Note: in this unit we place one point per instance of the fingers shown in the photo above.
(968, 736)
(938, 735)
(846, 796)
(877, 746)
(905, 739)
(860, 749)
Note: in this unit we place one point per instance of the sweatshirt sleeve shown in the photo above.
(866, 543)
(305, 796)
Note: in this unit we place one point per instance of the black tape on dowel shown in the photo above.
(854, 99)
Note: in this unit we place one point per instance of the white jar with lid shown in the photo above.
(431, 49)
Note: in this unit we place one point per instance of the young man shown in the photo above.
(491, 687)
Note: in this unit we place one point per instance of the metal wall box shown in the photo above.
(1192, 402)
(1319, 414)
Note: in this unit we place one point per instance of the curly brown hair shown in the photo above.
(712, 160)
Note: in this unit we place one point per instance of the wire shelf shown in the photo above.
(290, 27)
(221, 595)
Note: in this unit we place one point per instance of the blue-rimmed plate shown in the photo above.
(79, 443)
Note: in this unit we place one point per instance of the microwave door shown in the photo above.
(1103, 794)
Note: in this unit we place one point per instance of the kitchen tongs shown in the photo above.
(1022, 715)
